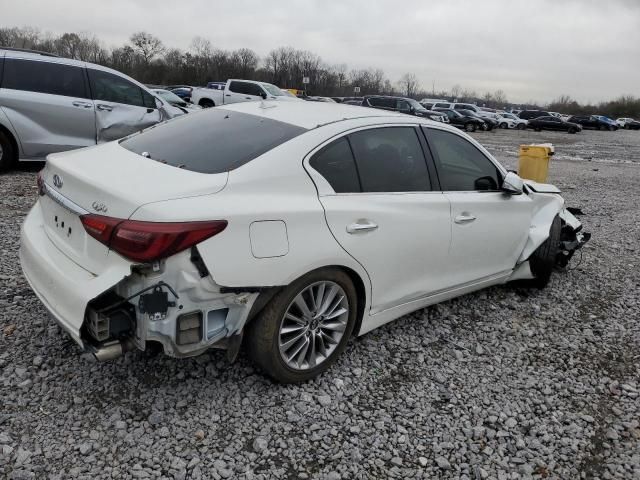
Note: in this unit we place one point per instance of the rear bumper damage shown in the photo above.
(174, 303)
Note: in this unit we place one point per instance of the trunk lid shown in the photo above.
(112, 181)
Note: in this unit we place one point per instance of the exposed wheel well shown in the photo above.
(267, 294)
(206, 102)
(13, 141)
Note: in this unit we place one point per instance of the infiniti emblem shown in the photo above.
(99, 206)
(57, 181)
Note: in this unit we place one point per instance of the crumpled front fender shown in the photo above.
(546, 207)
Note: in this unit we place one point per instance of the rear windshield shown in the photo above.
(211, 141)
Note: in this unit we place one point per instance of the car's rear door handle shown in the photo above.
(106, 108)
(82, 104)
(464, 218)
(361, 227)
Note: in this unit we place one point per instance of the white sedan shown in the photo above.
(282, 227)
(509, 120)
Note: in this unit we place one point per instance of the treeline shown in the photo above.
(148, 60)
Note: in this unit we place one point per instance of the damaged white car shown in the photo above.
(284, 227)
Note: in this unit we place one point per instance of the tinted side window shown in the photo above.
(375, 102)
(390, 160)
(44, 77)
(336, 164)
(245, 88)
(442, 105)
(403, 106)
(461, 166)
(111, 88)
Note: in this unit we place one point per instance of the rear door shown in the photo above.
(381, 207)
(121, 106)
(488, 227)
(238, 91)
(48, 105)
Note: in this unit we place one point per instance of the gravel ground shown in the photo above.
(505, 383)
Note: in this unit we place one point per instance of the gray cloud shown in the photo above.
(530, 49)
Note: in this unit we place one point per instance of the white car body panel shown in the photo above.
(284, 220)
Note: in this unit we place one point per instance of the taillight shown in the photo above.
(149, 241)
(40, 182)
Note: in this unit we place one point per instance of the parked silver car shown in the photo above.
(51, 104)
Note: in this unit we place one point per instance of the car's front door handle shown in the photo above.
(103, 107)
(82, 104)
(361, 227)
(464, 218)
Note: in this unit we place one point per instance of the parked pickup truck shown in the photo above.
(238, 91)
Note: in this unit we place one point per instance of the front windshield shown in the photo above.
(415, 104)
(170, 96)
(273, 90)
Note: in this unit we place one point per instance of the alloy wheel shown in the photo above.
(313, 325)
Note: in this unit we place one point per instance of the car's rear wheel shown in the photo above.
(611, 128)
(544, 258)
(504, 125)
(7, 152)
(470, 127)
(206, 103)
(305, 327)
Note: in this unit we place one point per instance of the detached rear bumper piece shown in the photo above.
(64, 287)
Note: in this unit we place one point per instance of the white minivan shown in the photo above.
(51, 104)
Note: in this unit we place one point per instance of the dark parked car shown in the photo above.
(402, 105)
(457, 119)
(183, 91)
(594, 121)
(553, 123)
(529, 114)
(489, 123)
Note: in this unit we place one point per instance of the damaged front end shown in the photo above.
(173, 303)
(572, 236)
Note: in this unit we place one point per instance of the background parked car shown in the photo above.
(610, 122)
(183, 91)
(52, 104)
(175, 100)
(553, 123)
(237, 91)
(516, 122)
(457, 119)
(489, 122)
(529, 114)
(593, 121)
(402, 105)
(628, 123)
(315, 98)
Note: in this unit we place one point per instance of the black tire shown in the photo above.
(206, 103)
(544, 258)
(470, 127)
(7, 152)
(572, 130)
(263, 332)
(611, 128)
(537, 129)
(504, 125)
(521, 126)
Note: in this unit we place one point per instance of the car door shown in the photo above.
(122, 107)
(48, 105)
(489, 228)
(242, 92)
(381, 207)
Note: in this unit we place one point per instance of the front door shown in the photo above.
(384, 213)
(48, 105)
(489, 228)
(122, 107)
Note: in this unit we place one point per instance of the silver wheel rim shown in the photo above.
(313, 325)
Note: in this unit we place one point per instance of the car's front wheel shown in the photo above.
(305, 327)
(7, 155)
(544, 258)
(206, 103)
(470, 127)
(504, 125)
(572, 130)
(521, 126)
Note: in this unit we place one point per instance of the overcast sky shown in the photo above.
(531, 49)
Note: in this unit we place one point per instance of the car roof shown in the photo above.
(310, 114)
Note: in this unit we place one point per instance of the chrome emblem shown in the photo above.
(57, 181)
(99, 207)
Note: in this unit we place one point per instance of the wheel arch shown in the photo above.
(267, 294)
(13, 140)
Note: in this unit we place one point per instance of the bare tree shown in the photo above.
(456, 90)
(147, 45)
(408, 84)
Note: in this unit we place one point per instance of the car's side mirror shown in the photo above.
(263, 95)
(512, 184)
